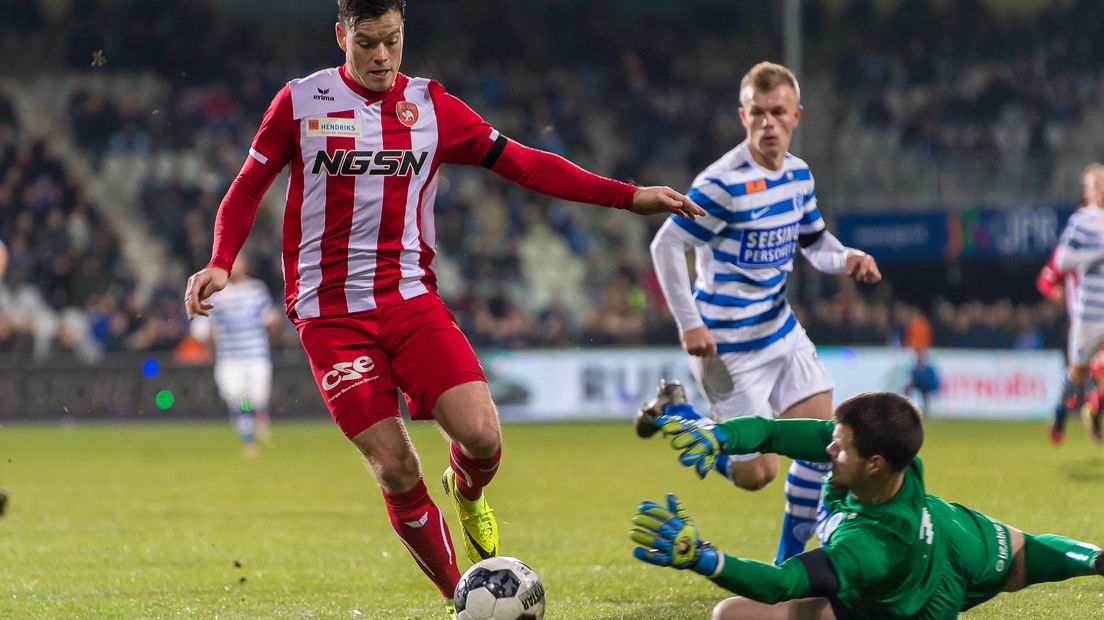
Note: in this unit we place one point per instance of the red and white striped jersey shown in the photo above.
(358, 228)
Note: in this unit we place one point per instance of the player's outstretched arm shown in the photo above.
(654, 200)
(667, 536)
(701, 442)
(201, 285)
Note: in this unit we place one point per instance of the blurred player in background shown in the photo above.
(889, 550)
(923, 379)
(1060, 287)
(747, 350)
(1081, 251)
(238, 324)
(364, 143)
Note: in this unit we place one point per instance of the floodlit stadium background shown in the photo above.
(946, 138)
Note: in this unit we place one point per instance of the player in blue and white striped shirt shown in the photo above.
(748, 352)
(1081, 249)
(243, 313)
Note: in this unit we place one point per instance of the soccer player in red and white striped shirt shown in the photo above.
(363, 144)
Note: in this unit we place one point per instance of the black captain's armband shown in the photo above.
(811, 238)
(496, 150)
(823, 580)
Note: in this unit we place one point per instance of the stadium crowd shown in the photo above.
(521, 270)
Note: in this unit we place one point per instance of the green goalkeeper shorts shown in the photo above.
(983, 554)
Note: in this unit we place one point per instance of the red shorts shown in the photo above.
(359, 359)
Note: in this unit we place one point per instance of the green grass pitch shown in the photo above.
(171, 521)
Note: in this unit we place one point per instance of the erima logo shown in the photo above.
(419, 523)
(347, 371)
(323, 95)
(378, 163)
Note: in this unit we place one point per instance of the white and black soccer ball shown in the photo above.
(499, 588)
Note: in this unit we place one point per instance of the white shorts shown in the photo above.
(762, 383)
(1084, 341)
(249, 378)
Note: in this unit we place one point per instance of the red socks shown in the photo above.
(419, 525)
(472, 474)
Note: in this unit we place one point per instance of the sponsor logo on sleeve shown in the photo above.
(338, 127)
(323, 95)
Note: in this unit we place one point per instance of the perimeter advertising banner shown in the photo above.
(613, 383)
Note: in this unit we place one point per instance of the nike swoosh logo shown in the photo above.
(483, 553)
(759, 213)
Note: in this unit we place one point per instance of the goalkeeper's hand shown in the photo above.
(700, 441)
(668, 537)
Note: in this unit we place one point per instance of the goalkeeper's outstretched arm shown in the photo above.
(808, 574)
(799, 439)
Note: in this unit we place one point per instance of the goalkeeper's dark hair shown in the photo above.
(883, 423)
(352, 12)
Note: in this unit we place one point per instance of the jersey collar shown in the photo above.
(369, 96)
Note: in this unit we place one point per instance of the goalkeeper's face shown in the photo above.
(373, 49)
(849, 468)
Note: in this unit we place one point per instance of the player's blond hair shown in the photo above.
(767, 76)
(1094, 168)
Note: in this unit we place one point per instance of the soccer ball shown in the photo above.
(499, 588)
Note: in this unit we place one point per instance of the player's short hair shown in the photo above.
(1093, 168)
(352, 12)
(883, 423)
(767, 76)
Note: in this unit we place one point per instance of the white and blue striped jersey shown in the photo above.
(239, 319)
(746, 244)
(1081, 249)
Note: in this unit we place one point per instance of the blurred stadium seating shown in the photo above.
(110, 176)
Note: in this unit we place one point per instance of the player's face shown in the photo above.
(373, 50)
(1092, 188)
(848, 466)
(770, 119)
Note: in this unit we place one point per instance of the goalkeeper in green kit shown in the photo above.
(889, 550)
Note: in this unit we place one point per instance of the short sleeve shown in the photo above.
(275, 141)
(464, 137)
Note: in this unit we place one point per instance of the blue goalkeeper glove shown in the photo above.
(668, 537)
(700, 441)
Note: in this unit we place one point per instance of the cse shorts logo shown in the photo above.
(347, 371)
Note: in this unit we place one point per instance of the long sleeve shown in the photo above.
(826, 253)
(799, 439)
(238, 211)
(669, 258)
(764, 582)
(1081, 243)
(553, 175)
(272, 149)
(465, 138)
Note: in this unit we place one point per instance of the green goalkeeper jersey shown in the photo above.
(913, 556)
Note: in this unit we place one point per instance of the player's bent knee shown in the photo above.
(397, 475)
(754, 475)
(736, 608)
